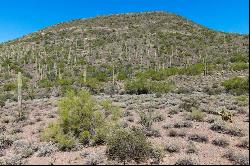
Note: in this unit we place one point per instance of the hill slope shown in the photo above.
(125, 42)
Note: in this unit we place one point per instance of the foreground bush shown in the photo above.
(127, 145)
(82, 120)
(237, 85)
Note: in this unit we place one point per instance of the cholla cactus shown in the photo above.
(226, 115)
(19, 91)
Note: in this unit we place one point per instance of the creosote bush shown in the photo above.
(82, 120)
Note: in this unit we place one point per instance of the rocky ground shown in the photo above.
(184, 138)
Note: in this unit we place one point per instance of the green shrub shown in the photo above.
(241, 100)
(142, 86)
(127, 145)
(10, 86)
(55, 133)
(239, 66)
(239, 57)
(80, 119)
(214, 90)
(196, 115)
(64, 82)
(194, 69)
(45, 83)
(237, 85)
(93, 84)
(137, 86)
(124, 73)
(160, 86)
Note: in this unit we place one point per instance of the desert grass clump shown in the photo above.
(236, 158)
(244, 143)
(175, 133)
(191, 148)
(241, 100)
(183, 124)
(238, 66)
(152, 132)
(172, 148)
(189, 104)
(158, 118)
(185, 161)
(6, 141)
(221, 127)
(220, 142)
(128, 145)
(173, 112)
(196, 115)
(146, 119)
(198, 138)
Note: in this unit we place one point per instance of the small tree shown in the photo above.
(82, 119)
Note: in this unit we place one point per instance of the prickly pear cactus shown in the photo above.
(226, 115)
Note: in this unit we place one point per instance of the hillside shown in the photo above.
(124, 43)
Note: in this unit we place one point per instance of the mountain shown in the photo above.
(107, 44)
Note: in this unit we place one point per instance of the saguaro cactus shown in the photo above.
(19, 90)
(205, 65)
(85, 75)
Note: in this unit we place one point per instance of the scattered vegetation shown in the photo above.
(237, 85)
(221, 127)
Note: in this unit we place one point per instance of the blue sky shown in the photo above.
(20, 17)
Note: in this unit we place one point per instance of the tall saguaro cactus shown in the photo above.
(205, 65)
(19, 90)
